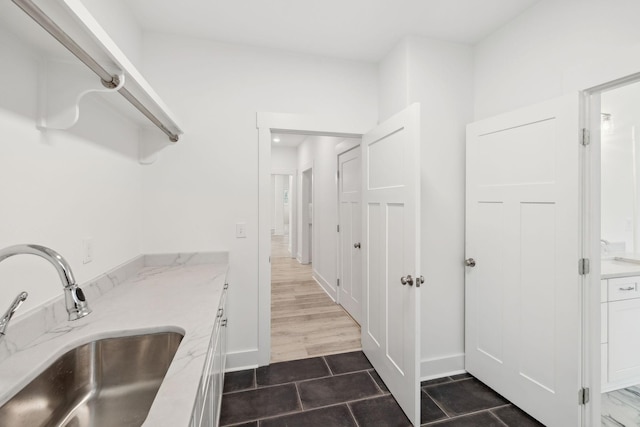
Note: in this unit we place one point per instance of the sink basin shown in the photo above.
(105, 383)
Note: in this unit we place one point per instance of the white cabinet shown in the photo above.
(620, 337)
(206, 411)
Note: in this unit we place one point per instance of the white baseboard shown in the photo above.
(438, 367)
(324, 284)
(242, 360)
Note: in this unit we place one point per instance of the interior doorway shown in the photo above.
(615, 149)
(306, 319)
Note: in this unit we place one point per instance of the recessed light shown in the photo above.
(276, 139)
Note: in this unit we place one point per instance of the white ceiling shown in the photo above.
(287, 139)
(353, 29)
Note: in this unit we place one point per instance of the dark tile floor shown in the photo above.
(344, 390)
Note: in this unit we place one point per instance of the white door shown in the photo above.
(523, 298)
(350, 213)
(390, 248)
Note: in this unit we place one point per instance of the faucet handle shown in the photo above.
(17, 302)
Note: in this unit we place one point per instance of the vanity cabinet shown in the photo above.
(206, 412)
(620, 316)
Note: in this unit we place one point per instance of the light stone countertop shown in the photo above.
(612, 268)
(180, 297)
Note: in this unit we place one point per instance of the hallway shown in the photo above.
(305, 322)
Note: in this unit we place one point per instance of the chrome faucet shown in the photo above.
(74, 298)
(4, 321)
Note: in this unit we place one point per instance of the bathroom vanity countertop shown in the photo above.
(611, 268)
(180, 298)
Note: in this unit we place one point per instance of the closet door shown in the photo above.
(523, 299)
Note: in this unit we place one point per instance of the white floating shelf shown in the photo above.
(66, 80)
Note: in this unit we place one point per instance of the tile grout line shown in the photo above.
(352, 414)
(299, 397)
(437, 404)
(466, 415)
(376, 382)
(498, 418)
(284, 414)
(259, 387)
(327, 364)
(445, 382)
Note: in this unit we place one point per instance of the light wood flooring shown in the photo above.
(305, 322)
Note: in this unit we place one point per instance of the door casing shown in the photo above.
(283, 123)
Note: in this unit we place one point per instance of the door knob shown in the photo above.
(407, 280)
(419, 281)
(356, 245)
(470, 262)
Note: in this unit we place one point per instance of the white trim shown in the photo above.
(241, 360)
(347, 144)
(591, 328)
(299, 123)
(293, 201)
(304, 218)
(438, 367)
(325, 285)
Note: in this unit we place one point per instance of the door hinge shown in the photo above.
(583, 266)
(338, 228)
(586, 138)
(338, 281)
(583, 396)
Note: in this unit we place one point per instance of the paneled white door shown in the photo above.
(391, 253)
(523, 298)
(350, 264)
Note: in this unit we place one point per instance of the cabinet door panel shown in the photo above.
(624, 340)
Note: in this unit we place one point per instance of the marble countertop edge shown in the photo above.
(158, 298)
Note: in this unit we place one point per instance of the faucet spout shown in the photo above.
(75, 300)
(4, 321)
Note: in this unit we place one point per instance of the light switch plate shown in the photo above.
(87, 250)
(241, 230)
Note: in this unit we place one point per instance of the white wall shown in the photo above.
(283, 159)
(278, 204)
(438, 75)
(202, 186)
(393, 74)
(58, 187)
(320, 151)
(528, 60)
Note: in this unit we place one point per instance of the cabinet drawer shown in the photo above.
(624, 288)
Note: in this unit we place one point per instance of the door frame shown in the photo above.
(592, 232)
(590, 79)
(340, 149)
(309, 124)
(306, 250)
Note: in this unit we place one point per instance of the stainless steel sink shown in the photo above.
(105, 383)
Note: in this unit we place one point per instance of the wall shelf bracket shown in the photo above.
(63, 86)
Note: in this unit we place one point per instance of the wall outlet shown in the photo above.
(87, 250)
(241, 230)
